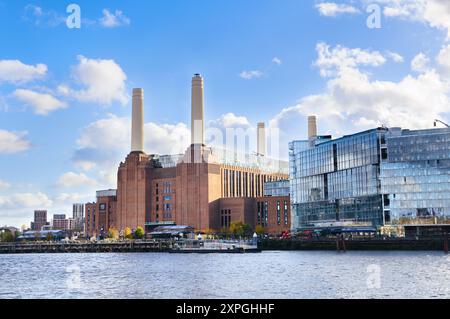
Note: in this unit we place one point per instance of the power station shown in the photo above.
(206, 188)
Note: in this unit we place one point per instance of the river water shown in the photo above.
(293, 274)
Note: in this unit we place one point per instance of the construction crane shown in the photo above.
(439, 121)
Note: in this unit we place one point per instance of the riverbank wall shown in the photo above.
(86, 247)
(434, 244)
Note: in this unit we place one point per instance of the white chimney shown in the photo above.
(261, 139)
(137, 121)
(312, 127)
(197, 112)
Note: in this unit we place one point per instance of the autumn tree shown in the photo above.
(259, 229)
(139, 233)
(113, 233)
(127, 233)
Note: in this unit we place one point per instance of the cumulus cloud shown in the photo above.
(13, 142)
(331, 9)
(435, 13)
(104, 143)
(25, 200)
(15, 71)
(112, 20)
(332, 61)
(102, 81)
(42, 103)
(248, 75)
(71, 179)
(394, 56)
(352, 101)
(420, 63)
(230, 120)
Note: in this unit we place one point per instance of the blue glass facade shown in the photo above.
(415, 177)
(337, 181)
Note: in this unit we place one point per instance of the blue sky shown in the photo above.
(64, 93)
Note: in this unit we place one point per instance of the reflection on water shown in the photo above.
(265, 275)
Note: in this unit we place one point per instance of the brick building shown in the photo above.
(202, 188)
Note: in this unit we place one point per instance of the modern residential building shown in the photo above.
(415, 176)
(372, 178)
(188, 189)
(40, 220)
(78, 216)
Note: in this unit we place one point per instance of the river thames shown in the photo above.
(293, 274)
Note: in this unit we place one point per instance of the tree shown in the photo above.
(127, 233)
(7, 237)
(240, 229)
(260, 229)
(139, 233)
(248, 231)
(113, 233)
(49, 237)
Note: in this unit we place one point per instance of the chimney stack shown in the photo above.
(197, 112)
(137, 121)
(312, 127)
(261, 139)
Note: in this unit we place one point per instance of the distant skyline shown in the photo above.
(65, 94)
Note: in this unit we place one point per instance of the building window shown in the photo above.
(258, 212)
(266, 214)
(167, 198)
(278, 213)
(286, 213)
(225, 218)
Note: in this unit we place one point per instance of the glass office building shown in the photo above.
(415, 177)
(337, 182)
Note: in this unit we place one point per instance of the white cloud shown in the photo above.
(71, 179)
(42, 103)
(14, 71)
(70, 198)
(112, 20)
(230, 120)
(25, 200)
(435, 13)
(43, 18)
(352, 101)
(13, 142)
(102, 81)
(248, 75)
(397, 58)
(420, 63)
(338, 59)
(443, 60)
(277, 61)
(331, 9)
(4, 185)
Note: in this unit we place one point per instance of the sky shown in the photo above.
(65, 92)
